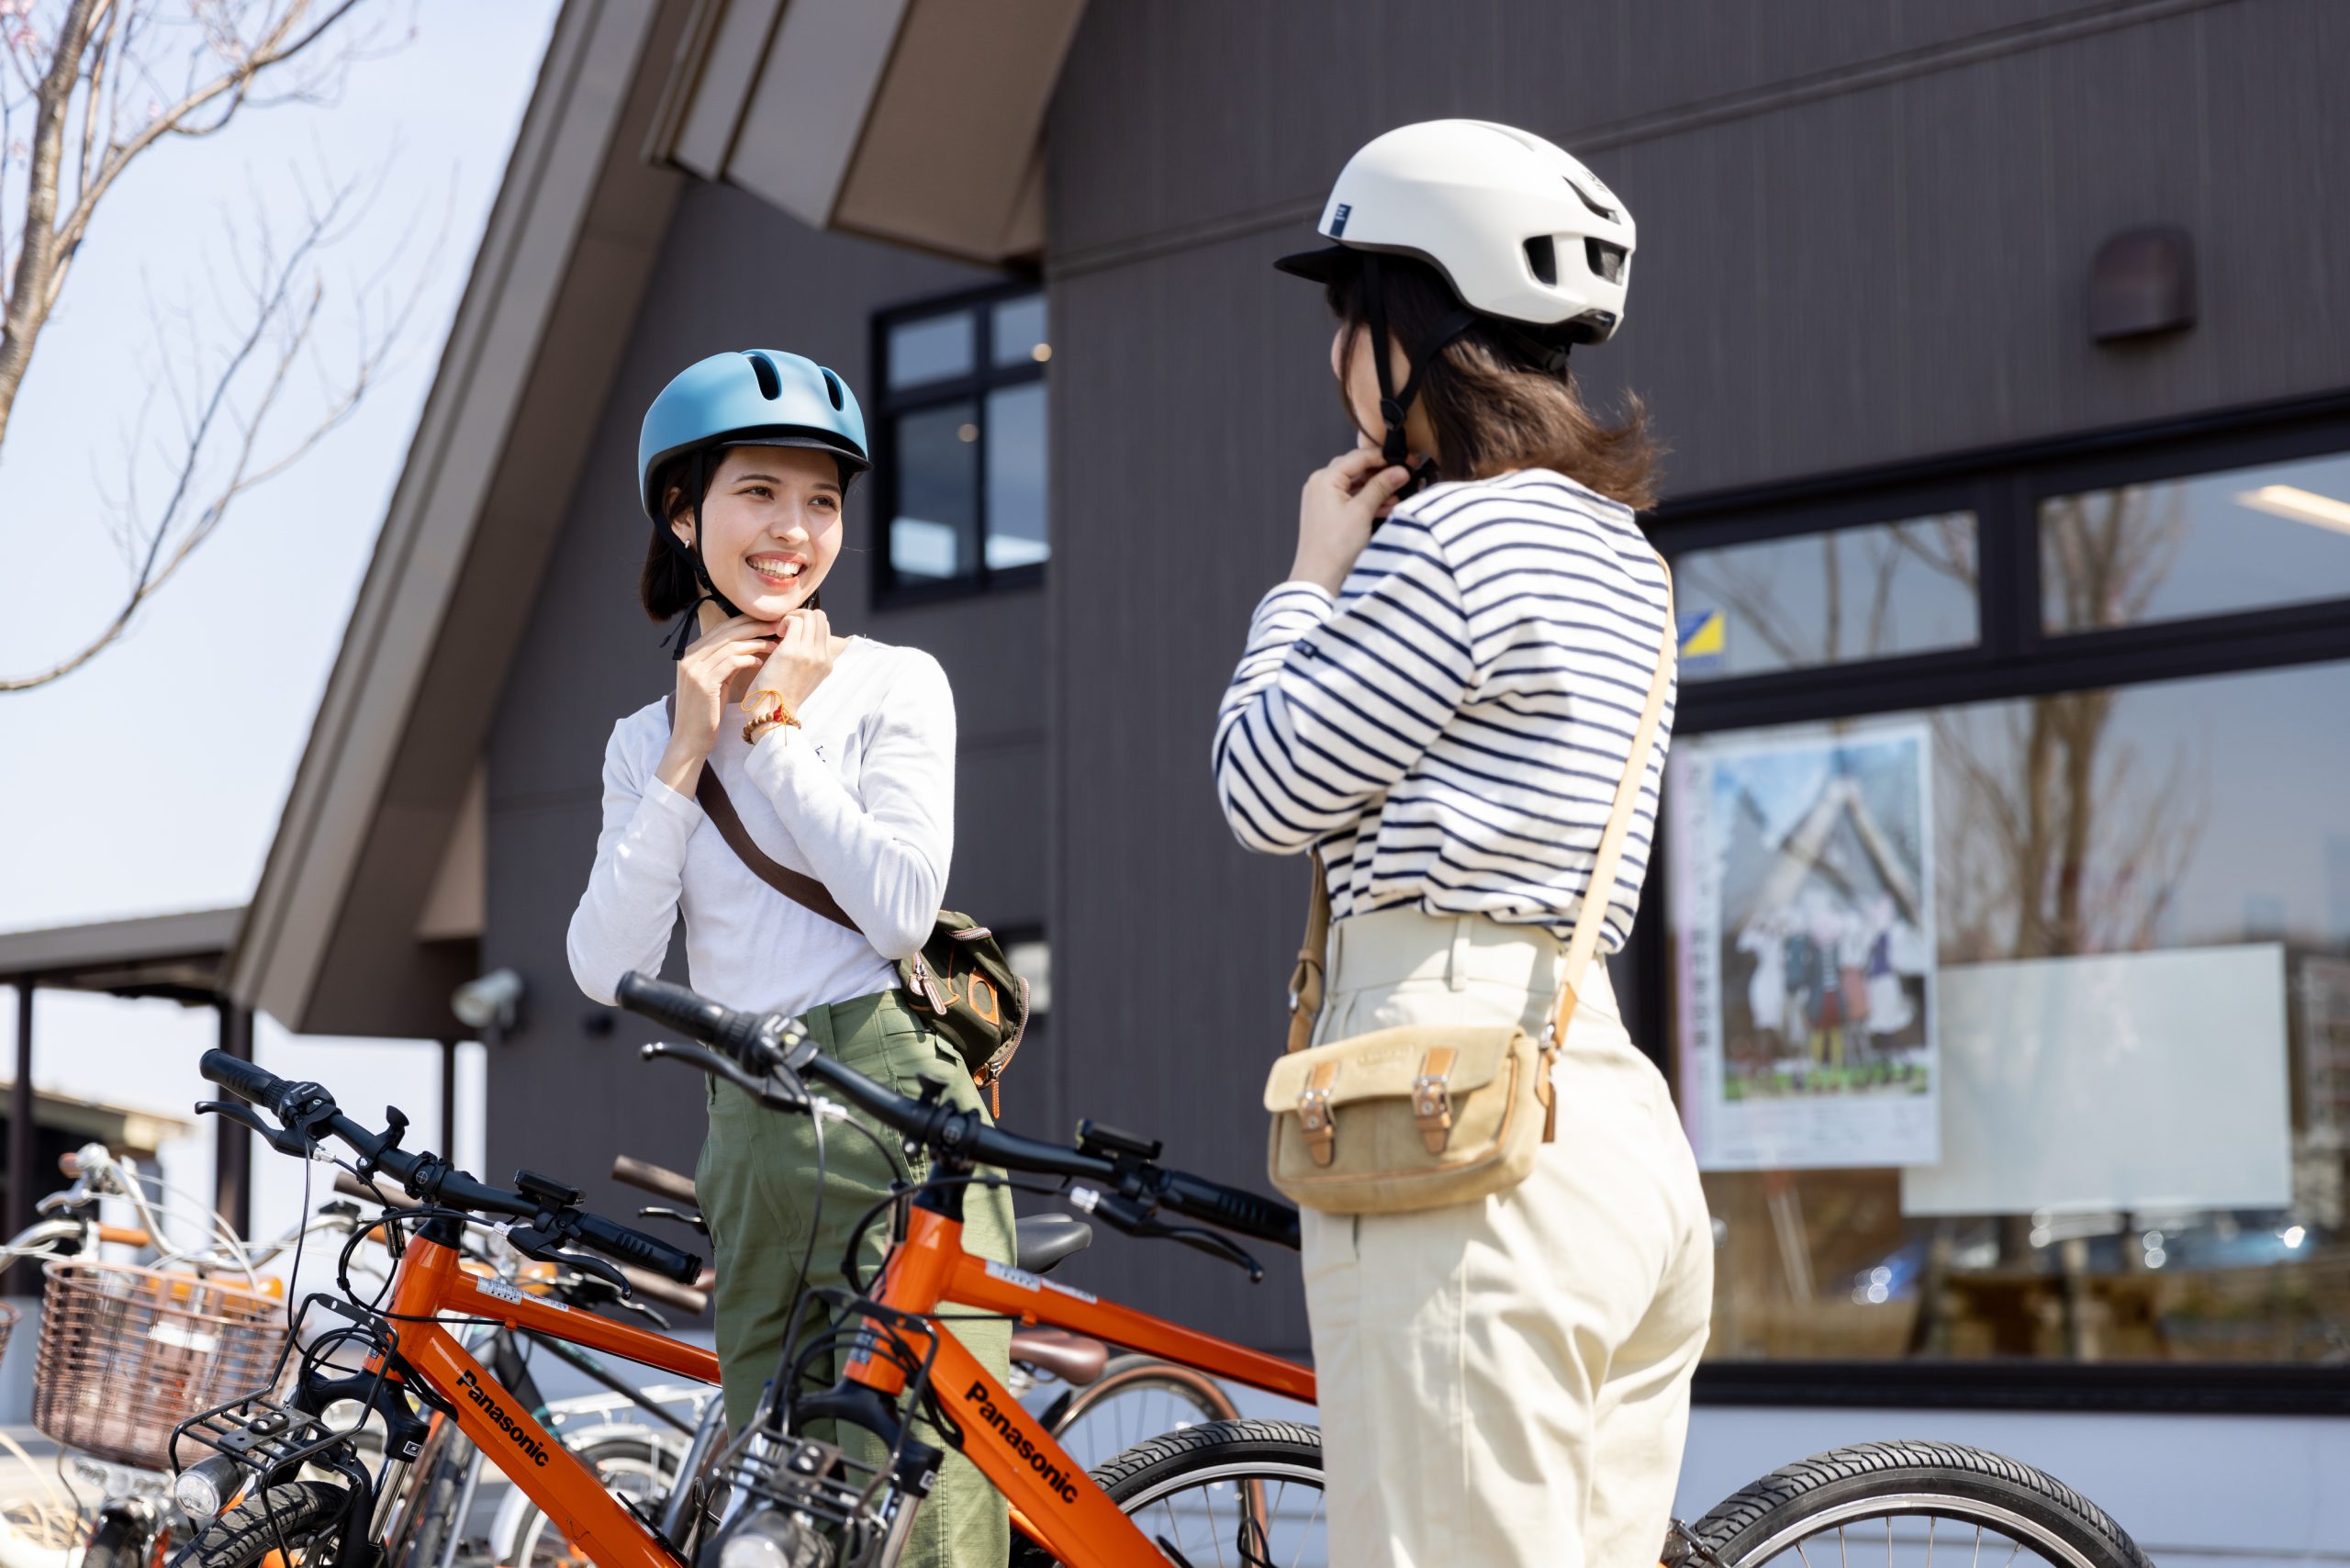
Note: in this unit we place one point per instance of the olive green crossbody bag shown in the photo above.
(1427, 1115)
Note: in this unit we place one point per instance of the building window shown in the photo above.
(960, 443)
(2009, 994)
(2203, 544)
(1805, 600)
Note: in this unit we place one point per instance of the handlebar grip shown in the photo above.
(350, 1186)
(657, 1180)
(1232, 1208)
(653, 1287)
(242, 1078)
(647, 1252)
(686, 1011)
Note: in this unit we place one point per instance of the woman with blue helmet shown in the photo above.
(838, 754)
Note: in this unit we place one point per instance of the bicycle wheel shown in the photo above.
(300, 1519)
(1232, 1494)
(1906, 1500)
(1137, 1397)
(638, 1469)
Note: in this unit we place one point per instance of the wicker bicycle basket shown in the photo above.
(127, 1353)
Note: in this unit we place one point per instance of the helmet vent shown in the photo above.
(1543, 257)
(770, 380)
(1607, 261)
(832, 388)
(1584, 197)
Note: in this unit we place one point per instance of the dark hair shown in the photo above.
(668, 586)
(1491, 397)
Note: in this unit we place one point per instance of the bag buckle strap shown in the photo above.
(1554, 1040)
(1432, 1097)
(1314, 1118)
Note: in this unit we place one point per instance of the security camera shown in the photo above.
(491, 1003)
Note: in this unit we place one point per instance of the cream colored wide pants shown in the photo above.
(1507, 1382)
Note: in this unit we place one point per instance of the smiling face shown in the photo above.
(771, 526)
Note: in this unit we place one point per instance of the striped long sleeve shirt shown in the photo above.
(1450, 730)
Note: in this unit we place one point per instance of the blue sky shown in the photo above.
(152, 780)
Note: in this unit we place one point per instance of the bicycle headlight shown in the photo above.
(769, 1538)
(205, 1487)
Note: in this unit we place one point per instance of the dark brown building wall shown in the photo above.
(734, 273)
(1864, 235)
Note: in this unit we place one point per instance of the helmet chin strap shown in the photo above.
(1394, 405)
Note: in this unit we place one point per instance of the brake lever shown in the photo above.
(778, 1093)
(531, 1242)
(283, 1140)
(680, 1215)
(1133, 1219)
(649, 1314)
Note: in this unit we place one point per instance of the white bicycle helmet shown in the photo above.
(1518, 228)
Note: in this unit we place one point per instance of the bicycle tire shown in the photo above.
(1130, 1377)
(640, 1456)
(1250, 1454)
(295, 1514)
(1884, 1480)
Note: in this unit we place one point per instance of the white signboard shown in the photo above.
(1802, 913)
(2132, 1080)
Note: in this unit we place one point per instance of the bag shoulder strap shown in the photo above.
(1305, 979)
(1599, 893)
(719, 807)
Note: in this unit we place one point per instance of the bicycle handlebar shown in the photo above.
(772, 1044)
(309, 1112)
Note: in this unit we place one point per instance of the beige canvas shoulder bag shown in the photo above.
(1427, 1115)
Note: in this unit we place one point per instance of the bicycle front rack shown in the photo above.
(266, 1433)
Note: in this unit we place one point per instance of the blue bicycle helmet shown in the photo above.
(752, 398)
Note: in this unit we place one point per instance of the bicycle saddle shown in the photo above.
(1042, 1240)
(1074, 1358)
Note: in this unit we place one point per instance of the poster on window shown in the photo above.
(1803, 911)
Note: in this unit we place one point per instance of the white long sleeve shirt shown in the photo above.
(1451, 728)
(860, 796)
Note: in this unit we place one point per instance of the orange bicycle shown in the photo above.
(400, 1362)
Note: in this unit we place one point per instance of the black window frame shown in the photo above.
(890, 403)
(2012, 657)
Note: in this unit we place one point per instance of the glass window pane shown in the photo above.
(931, 348)
(1016, 432)
(2244, 539)
(935, 531)
(2023, 1028)
(1019, 329)
(1828, 599)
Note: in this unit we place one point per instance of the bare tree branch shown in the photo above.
(73, 71)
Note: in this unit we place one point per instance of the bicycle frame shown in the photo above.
(1052, 1499)
(430, 1282)
(1054, 1502)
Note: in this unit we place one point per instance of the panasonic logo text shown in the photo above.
(1025, 1446)
(504, 1423)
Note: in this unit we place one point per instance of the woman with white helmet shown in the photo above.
(1442, 701)
(836, 756)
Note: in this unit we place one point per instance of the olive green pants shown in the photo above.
(757, 1184)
